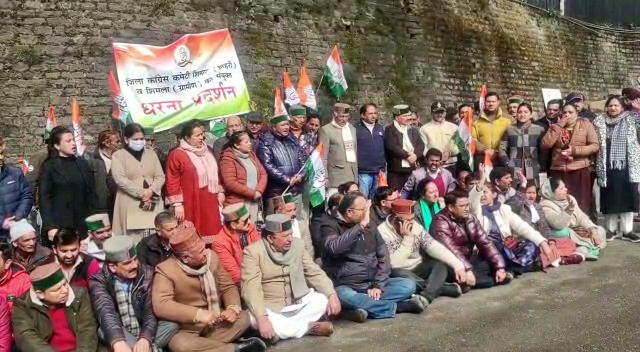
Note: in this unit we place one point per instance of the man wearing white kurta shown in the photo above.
(276, 275)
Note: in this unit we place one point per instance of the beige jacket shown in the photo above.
(335, 162)
(267, 285)
(509, 223)
(560, 219)
(439, 136)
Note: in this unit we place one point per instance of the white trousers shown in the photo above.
(622, 221)
(293, 321)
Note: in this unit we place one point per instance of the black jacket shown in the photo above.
(104, 185)
(371, 158)
(282, 158)
(16, 197)
(151, 252)
(64, 203)
(394, 152)
(354, 256)
(103, 299)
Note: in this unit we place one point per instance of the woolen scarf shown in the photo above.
(548, 194)
(426, 212)
(293, 259)
(406, 142)
(618, 139)
(207, 282)
(347, 139)
(205, 165)
(249, 167)
(488, 211)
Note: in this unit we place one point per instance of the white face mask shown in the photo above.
(136, 145)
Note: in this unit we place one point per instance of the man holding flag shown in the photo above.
(340, 143)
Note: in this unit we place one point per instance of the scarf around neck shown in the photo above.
(347, 139)
(205, 164)
(293, 259)
(547, 193)
(406, 141)
(426, 213)
(618, 140)
(207, 282)
(488, 211)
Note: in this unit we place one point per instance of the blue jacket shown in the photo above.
(16, 197)
(282, 157)
(371, 159)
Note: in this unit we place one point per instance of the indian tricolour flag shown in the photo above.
(290, 94)
(305, 90)
(316, 176)
(334, 74)
(119, 109)
(78, 134)
(463, 140)
(51, 123)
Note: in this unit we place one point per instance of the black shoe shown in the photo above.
(632, 237)
(612, 236)
(452, 290)
(252, 344)
(413, 305)
(355, 315)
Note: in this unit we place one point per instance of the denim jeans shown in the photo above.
(396, 290)
(368, 183)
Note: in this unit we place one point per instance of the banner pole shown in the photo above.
(297, 173)
(319, 84)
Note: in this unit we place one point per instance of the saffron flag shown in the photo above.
(334, 74)
(24, 165)
(290, 94)
(119, 109)
(305, 90)
(463, 140)
(382, 180)
(483, 95)
(278, 105)
(51, 123)
(316, 176)
(78, 134)
(488, 166)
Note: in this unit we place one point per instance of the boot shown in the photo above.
(252, 344)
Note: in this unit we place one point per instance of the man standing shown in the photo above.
(340, 148)
(255, 127)
(281, 156)
(237, 233)
(514, 102)
(407, 242)
(121, 296)
(16, 197)
(579, 101)
(438, 134)
(77, 267)
(552, 113)
(14, 281)
(234, 124)
(298, 115)
(460, 232)
(381, 207)
(487, 130)
(192, 289)
(54, 316)
(155, 248)
(276, 275)
(441, 176)
(99, 230)
(26, 250)
(100, 162)
(403, 146)
(357, 260)
(310, 130)
(463, 110)
(632, 96)
(286, 205)
(370, 141)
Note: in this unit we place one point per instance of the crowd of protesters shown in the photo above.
(216, 247)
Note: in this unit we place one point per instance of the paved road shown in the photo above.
(587, 307)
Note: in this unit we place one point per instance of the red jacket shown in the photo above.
(5, 326)
(234, 177)
(14, 283)
(227, 247)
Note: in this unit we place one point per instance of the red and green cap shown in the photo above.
(46, 276)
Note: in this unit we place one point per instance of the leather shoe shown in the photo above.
(252, 344)
(320, 328)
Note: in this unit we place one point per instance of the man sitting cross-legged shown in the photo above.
(192, 289)
(121, 297)
(407, 241)
(276, 275)
(357, 260)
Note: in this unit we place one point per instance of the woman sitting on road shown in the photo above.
(569, 222)
(429, 204)
(522, 247)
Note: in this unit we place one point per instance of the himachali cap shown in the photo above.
(255, 117)
(148, 131)
(277, 119)
(342, 108)
(97, 222)
(402, 207)
(186, 239)
(297, 110)
(401, 110)
(516, 99)
(573, 96)
(278, 223)
(235, 212)
(631, 93)
(119, 249)
(46, 276)
(437, 106)
(278, 201)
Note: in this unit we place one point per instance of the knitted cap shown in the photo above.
(235, 212)
(119, 249)
(19, 229)
(46, 276)
(278, 223)
(186, 239)
(97, 222)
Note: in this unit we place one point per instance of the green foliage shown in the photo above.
(29, 56)
(261, 92)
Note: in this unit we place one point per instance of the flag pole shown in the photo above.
(319, 84)
(297, 173)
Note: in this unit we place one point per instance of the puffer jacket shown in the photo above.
(14, 283)
(16, 197)
(460, 238)
(354, 256)
(234, 177)
(5, 326)
(282, 158)
(103, 298)
(584, 143)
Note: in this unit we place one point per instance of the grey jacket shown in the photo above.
(335, 162)
(410, 189)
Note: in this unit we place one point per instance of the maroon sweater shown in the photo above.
(63, 339)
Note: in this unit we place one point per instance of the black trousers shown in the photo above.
(482, 270)
(397, 180)
(430, 276)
